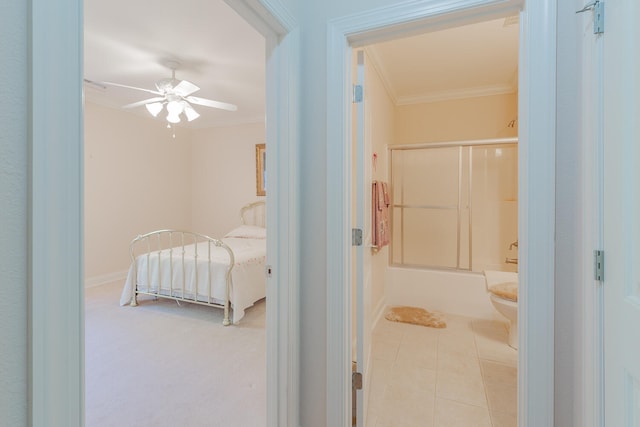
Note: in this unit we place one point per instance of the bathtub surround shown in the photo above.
(443, 291)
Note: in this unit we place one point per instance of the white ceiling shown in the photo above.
(225, 57)
(127, 42)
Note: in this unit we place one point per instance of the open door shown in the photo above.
(622, 213)
(361, 341)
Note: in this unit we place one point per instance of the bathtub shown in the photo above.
(453, 292)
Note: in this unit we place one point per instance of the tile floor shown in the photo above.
(463, 375)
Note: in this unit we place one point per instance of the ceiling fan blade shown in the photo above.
(185, 88)
(146, 101)
(131, 87)
(210, 103)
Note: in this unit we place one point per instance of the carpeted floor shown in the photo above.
(160, 364)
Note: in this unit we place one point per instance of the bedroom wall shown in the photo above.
(137, 179)
(223, 174)
(459, 119)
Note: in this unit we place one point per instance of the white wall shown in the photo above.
(137, 179)
(13, 213)
(573, 279)
(224, 175)
(312, 17)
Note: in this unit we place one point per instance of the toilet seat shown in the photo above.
(505, 290)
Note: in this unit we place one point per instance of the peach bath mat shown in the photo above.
(416, 316)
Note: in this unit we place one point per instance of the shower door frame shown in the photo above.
(432, 145)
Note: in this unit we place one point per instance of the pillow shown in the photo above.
(248, 232)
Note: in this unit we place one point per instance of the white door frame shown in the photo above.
(537, 144)
(55, 221)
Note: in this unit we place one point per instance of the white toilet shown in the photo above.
(502, 287)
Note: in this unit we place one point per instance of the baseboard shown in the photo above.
(90, 282)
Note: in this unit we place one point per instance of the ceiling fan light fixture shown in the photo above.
(174, 107)
(190, 112)
(154, 108)
(173, 118)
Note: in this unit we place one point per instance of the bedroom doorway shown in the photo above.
(177, 176)
(56, 324)
(275, 42)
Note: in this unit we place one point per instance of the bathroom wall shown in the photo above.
(457, 119)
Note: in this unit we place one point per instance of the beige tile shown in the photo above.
(498, 373)
(402, 408)
(492, 345)
(380, 373)
(421, 334)
(376, 396)
(411, 365)
(418, 354)
(412, 378)
(489, 325)
(462, 363)
(380, 368)
(384, 349)
(456, 414)
(502, 397)
(462, 388)
(458, 324)
(391, 331)
(502, 419)
(457, 344)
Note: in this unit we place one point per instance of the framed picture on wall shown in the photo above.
(261, 170)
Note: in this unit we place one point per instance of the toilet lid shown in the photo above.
(506, 290)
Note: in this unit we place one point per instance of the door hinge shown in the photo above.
(356, 237)
(598, 264)
(357, 94)
(598, 15)
(356, 380)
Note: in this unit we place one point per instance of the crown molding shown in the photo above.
(374, 58)
(449, 95)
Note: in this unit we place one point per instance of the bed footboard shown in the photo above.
(182, 266)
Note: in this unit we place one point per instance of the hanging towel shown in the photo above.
(380, 202)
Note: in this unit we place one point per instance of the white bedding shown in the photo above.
(247, 277)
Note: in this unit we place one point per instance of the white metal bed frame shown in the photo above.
(154, 247)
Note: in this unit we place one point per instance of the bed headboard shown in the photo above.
(253, 214)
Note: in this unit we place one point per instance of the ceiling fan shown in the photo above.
(176, 95)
